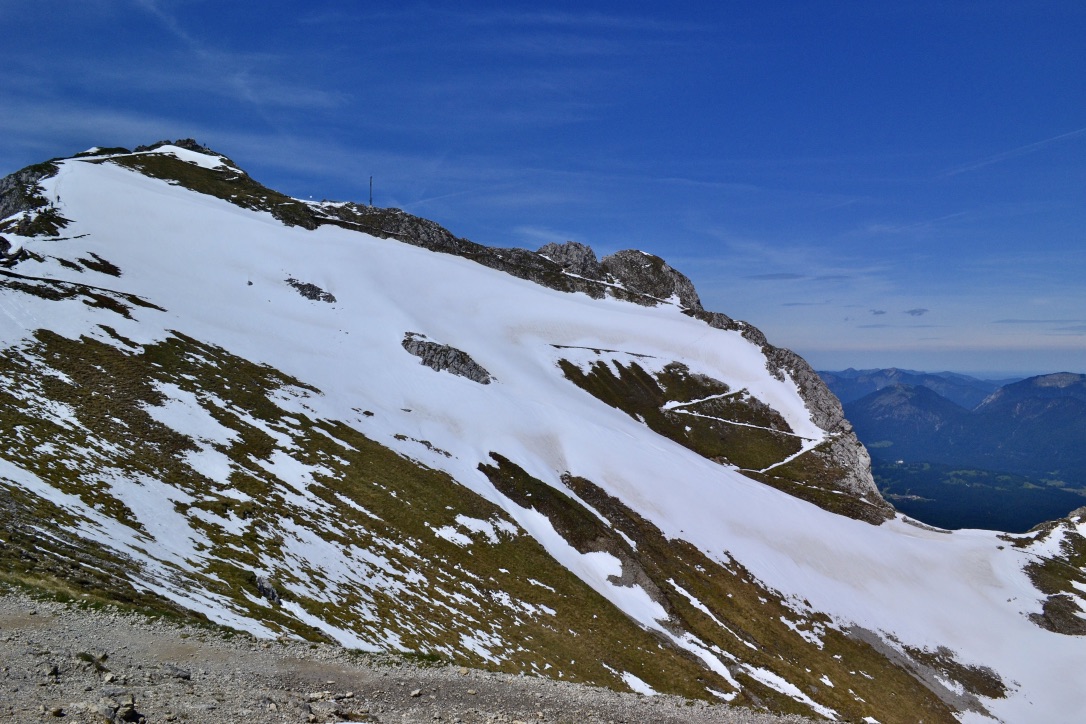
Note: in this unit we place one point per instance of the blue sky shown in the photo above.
(871, 183)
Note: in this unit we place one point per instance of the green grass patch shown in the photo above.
(230, 185)
(746, 617)
(719, 429)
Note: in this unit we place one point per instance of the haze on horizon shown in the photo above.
(871, 185)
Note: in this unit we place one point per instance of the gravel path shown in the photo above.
(63, 662)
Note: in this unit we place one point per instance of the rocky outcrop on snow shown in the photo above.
(442, 357)
(188, 144)
(311, 291)
(629, 274)
(574, 257)
(266, 589)
(10, 254)
(21, 202)
(650, 275)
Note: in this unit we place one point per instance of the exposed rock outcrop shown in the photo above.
(1061, 614)
(311, 291)
(188, 144)
(650, 275)
(575, 258)
(442, 357)
(266, 589)
(21, 197)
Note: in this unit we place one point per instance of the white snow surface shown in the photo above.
(194, 255)
(203, 160)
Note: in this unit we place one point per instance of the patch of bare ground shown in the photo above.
(79, 664)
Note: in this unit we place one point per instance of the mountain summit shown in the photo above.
(334, 421)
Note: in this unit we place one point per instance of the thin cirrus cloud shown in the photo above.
(1014, 153)
(245, 77)
(1037, 321)
(884, 325)
(917, 312)
(777, 276)
(579, 21)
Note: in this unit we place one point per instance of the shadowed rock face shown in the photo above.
(20, 192)
(442, 357)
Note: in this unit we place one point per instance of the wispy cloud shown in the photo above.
(913, 226)
(1036, 321)
(38, 123)
(582, 21)
(234, 74)
(536, 236)
(917, 312)
(1013, 153)
(883, 325)
(777, 276)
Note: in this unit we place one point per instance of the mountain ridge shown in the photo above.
(966, 391)
(610, 509)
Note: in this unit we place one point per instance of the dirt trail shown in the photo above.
(60, 662)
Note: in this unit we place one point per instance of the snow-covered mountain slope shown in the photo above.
(279, 416)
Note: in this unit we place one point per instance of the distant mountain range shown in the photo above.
(1032, 431)
(963, 390)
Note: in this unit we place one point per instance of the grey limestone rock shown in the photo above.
(265, 588)
(442, 357)
(20, 192)
(176, 672)
(574, 257)
(188, 144)
(647, 274)
(311, 291)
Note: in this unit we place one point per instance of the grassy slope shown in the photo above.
(531, 613)
(720, 429)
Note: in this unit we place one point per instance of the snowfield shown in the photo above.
(219, 273)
